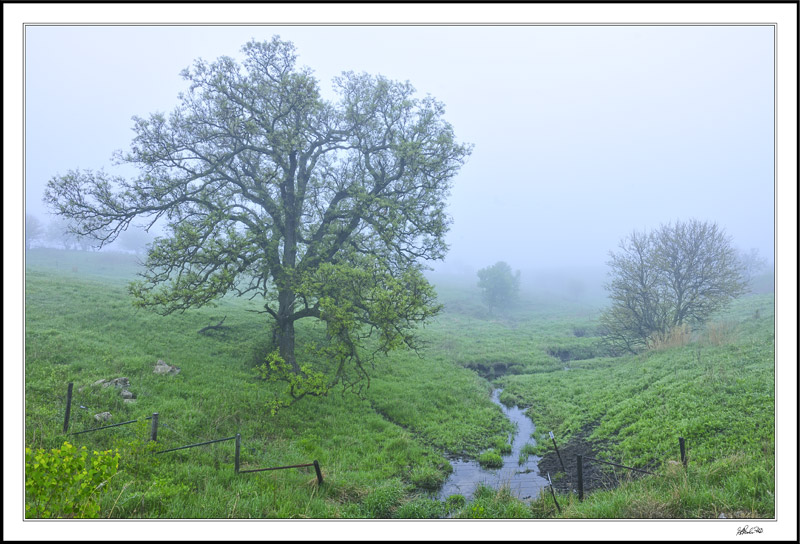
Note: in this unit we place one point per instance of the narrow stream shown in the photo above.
(523, 480)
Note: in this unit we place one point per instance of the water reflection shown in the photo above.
(523, 480)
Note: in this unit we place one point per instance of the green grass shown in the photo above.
(382, 454)
(81, 327)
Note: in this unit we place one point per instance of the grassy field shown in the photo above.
(383, 454)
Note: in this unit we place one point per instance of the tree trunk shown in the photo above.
(285, 329)
(286, 294)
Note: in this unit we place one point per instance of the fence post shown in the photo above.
(238, 450)
(552, 491)
(553, 438)
(319, 472)
(682, 444)
(154, 427)
(580, 477)
(69, 406)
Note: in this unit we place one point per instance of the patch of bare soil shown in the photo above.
(595, 475)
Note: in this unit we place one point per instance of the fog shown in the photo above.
(581, 134)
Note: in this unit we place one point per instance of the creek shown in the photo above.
(523, 480)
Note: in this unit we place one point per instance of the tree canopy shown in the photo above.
(322, 209)
(677, 275)
(498, 284)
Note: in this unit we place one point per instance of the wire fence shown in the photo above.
(580, 467)
(154, 426)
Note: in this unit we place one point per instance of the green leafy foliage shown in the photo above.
(66, 482)
(308, 381)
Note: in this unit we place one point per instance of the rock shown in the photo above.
(103, 416)
(121, 383)
(126, 394)
(163, 368)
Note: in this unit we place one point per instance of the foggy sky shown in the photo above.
(581, 134)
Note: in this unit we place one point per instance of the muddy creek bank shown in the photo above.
(595, 475)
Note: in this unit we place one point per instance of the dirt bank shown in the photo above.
(595, 475)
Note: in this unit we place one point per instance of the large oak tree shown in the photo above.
(322, 209)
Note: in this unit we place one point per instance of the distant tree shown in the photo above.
(60, 235)
(752, 264)
(135, 239)
(34, 230)
(324, 210)
(498, 284)
(676, 275)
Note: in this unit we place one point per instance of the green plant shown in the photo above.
(426, 477)
(454, 502)
(502, 446)
(526, 451)
(65, 482)
(489, 503)
(383, 500)
(307, 381)
(421, 508)
(490, 459)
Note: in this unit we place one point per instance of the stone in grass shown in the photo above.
(163, 368)
(125, 394)
(121, 383)
(103, 416)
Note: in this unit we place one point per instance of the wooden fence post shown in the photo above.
(682, 444)
(154, 427)
(69, 406)
(580, 477)
(238, 450)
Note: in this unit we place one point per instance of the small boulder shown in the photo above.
(120, 383)
(125, 394)
(163, 368)
(103, 416)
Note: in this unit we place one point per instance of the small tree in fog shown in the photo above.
(61, 236)
(135, 240)
(34, 230)
(498, 284)
(675, 276)
(752, 264)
